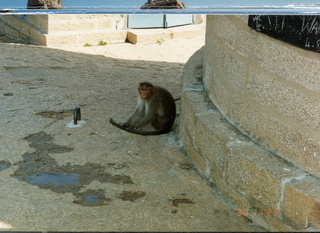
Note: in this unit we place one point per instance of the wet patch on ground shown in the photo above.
(38, 168)
(92, 198)
(177, 201)
(186, 166)
(117, 165)
(4, 165)
(56, 114)
(131, 196)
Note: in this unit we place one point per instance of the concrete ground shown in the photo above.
(96, 177)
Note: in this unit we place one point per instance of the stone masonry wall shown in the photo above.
(81, 29)
(249, 120)
(267, 88)
(26, 28)
(64, 29)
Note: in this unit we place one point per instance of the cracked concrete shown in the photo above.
(97, 177)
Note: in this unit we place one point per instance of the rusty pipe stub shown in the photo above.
(76, 115)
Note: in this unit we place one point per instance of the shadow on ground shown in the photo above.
(94, 177)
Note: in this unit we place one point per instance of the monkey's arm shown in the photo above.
(135, 116)
(129, 121)
(150, 113)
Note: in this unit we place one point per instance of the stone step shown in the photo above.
(158, 34)
(85, 37)
(120, 36)
(83, 24)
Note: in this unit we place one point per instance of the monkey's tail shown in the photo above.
(144, 133)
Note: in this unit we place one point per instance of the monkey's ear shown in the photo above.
(153, 88)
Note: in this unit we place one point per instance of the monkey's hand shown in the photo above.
(124, 124)
(121, 125)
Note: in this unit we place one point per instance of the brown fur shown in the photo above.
(156, 106)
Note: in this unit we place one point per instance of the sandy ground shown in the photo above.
(96, 177)
(176, 50)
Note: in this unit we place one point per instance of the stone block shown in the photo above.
(243, 18)
(20, 26)
(198, 161)
(259, 185)
(187, 31)
(7, 18)
(109, 36)
(233, 70)
(213, 59)
(212, 148)
(280, 58)
(221, 95)
(224, 28)
(293, 103)
(96, 16)
(61, 39)
(198, 19)
(302, 203)
(2, 24)
(36, 37)
(292, 143)
(148, 35)
(67, 26)
(63, 17)
(82, 38)
(188, 117)
(41, 22)
(106, 24)
(277, 225)
(12, 32)
(224, 75)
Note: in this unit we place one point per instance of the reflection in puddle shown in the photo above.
(92, 198)
(55, 179)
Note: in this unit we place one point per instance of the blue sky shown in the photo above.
(137, 3)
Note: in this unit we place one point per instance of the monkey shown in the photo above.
(156, 106)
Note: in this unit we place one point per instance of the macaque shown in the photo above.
(156, 106)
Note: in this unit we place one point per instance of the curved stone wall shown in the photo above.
(265, 87)
(250, 122)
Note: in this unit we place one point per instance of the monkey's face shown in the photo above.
(145, 92)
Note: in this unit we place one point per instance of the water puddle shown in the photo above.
(54, 179)
(4, 165)
(38, 168)
(92, 198)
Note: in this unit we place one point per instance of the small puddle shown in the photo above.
(53, 179)
(92, 198)
(4, 165)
